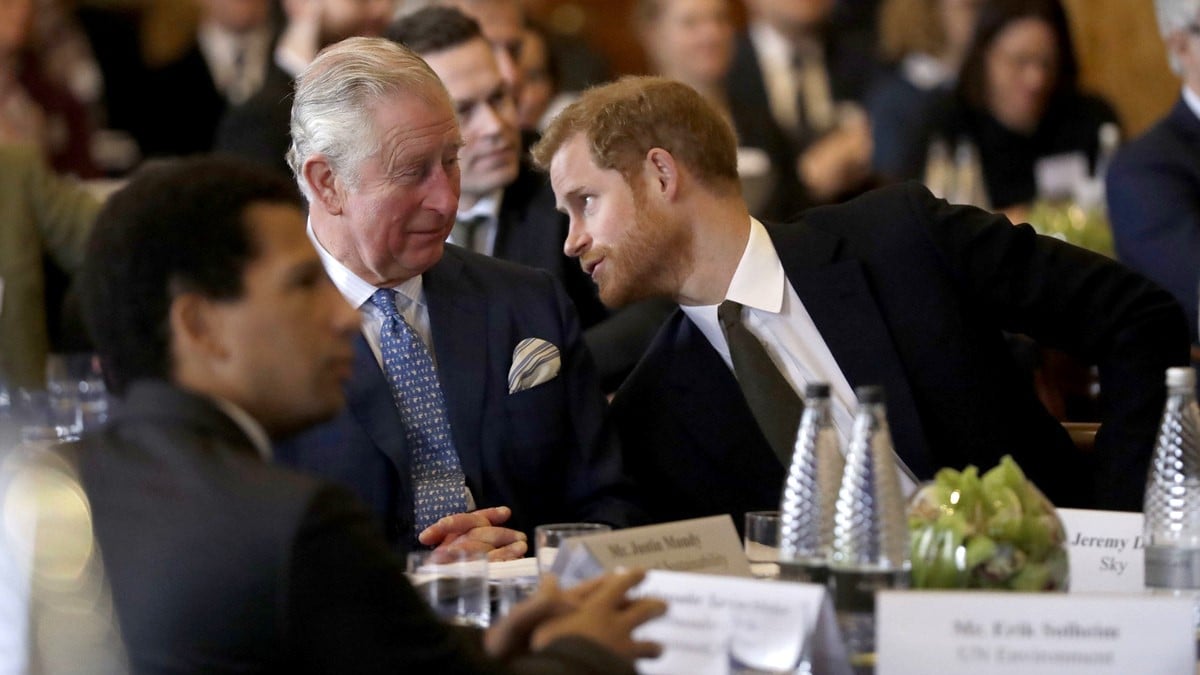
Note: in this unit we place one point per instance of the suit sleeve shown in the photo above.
(1154, 206)
(351, 610)
(1078, 301)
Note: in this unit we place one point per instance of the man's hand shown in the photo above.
(478, 531)
(603, 614)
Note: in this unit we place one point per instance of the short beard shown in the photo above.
(651, 260)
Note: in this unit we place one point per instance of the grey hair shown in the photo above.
(335, 97)
(1174, 16)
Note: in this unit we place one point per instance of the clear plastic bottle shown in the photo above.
(1172, 503)
(810, 493)
(969, 187)
(939, 169)
(870, 535)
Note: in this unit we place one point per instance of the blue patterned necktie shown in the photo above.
(439, 487)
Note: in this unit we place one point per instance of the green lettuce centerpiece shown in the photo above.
(997, 531)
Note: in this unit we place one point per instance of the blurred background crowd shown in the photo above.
(1013, 105)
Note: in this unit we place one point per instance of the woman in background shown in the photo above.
(1018, 101)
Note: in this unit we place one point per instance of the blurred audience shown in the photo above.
(1018, 103)
(35, 105)
(540, 98)
(1154, 181)
(258, 128)
(226, 63)
(43, 219)
(692, 41)
(811, 76)
(924, 41)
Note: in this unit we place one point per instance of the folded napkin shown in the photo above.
(534, 361)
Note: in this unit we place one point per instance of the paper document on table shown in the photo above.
(513, 569)
(718, 624)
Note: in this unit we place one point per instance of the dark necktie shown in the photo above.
(775, 405)
(467, 229)
(439, 486)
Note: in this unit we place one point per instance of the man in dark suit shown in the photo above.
(381, 171)
(225, 65)
(809, 75)
(1153, 185)
(506, 208)
(216, 323)
(258, 128)
(895, 288)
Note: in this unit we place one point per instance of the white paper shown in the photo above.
(1057, 175)
(1105, 551)
(711, 621)
(513, 569)
(995, 633)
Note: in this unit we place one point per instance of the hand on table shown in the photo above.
(598, 610)
(477, 531)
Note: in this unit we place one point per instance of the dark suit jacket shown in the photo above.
(913, 294)
(1154, 206)
(544, 451)
(182, 108)
(259, 128)
(220, 562)
(532, 232)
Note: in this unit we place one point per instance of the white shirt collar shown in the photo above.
(356, 291)
(488, 206)
(1192, 100)
(925, 71)
(249, 426)
(220, 45)
(758, 280)
(770, 44)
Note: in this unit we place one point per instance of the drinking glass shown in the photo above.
(454, 583)
(762, 543)
(549, 538)
(77, 391)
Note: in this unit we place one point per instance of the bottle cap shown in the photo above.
(871, 393)
(816, 390)
(1181, 377)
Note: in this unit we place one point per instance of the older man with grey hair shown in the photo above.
(1154, 181)
(474, 413)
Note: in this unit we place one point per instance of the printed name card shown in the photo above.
(708, 545)
(986, 633)
(716, 625)
(1105, 550)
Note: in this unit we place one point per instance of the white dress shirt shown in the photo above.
(249, 426)
(410, 301)
(221, 49)
(775, 315)
(1192, 100)
(777, 60)
(484, 238)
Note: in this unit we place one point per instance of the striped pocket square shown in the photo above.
(534, 361)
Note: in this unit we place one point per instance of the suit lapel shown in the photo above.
(836, 293)
(370, 401)
(707, 400)
(458, 318)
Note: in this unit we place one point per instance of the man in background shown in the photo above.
(1153, 185)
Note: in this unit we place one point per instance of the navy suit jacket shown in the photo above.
(913, 294)
(259, 128)
(545, 451)
(1154, 206)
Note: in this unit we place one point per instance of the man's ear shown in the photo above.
(326, 188)
(662, 173)
(195, 330)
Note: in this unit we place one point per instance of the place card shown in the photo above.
(986, 633)
(715, 625)
(1106, 551)
(708, 545)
